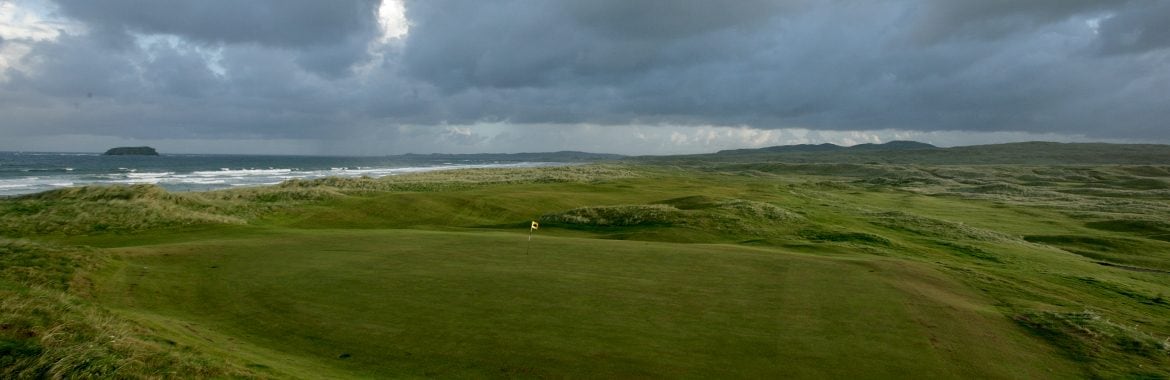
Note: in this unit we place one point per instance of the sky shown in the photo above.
(368, 77)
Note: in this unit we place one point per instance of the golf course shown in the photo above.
(999, 262)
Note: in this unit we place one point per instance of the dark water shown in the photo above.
(22, 173)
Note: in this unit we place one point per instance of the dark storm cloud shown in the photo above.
(1142, 27)
(284, 23)
(73, 66)
(315, 69)
(939, 20)
(951, 65)
(522, 43)
(330, 36)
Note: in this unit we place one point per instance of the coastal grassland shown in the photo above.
(699, 269)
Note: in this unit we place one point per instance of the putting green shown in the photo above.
(403, 303)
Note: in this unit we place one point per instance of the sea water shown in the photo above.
(23, 173)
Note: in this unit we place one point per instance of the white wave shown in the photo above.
(225, 172)
(149, 175)
(256, 184)
(13, 185)
(218, 179)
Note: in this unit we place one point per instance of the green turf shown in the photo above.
(456, 304)
(699, 270)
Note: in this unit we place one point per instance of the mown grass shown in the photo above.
(692, 270)
(458, 304)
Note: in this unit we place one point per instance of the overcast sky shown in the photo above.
(616, 76)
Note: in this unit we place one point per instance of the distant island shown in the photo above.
(132, 151)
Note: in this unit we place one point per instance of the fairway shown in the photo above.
(406, 303)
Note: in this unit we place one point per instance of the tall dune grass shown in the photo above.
(122, 209)
(49, 329)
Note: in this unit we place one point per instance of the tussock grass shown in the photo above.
(1139, 226)
(901, 181)
(1147, 170)
(49, 330)
(98, 209)
(450, 180)
(708, 215)
(617, 216)
(969, 251)
(819, 169)
(51, 334)
(1108, 349)
(124, 209)
(1002, 189)
(936, 228)
(838, 236)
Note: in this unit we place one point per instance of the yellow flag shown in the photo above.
(535, 225)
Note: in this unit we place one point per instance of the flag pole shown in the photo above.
(534, 226)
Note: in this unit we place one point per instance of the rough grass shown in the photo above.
(1110, 349)
(1111, 249)
(104, 209)
(450, 180)
(617, 216)
(704, 215)
(49, 330)
(839, 236)
(936, 228)
(125, 209)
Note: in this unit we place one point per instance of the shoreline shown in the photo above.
(224, 179)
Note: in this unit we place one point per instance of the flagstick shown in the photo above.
(530, 237)
(530, 229)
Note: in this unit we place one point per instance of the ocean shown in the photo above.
(24, 173)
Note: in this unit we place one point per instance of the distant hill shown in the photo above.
(809, 148)
(132, 151)
(562, 156)
(911, 152)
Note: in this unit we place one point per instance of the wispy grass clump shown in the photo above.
(1000, 188)
(901, 181)
(448, 180)
(969, 251)
(708, 215)
(617, 216)
(120, 209)
(27, 263)
(1109, 349)
(837, 236)
(47, 330)
(97, 209)
(937, 228)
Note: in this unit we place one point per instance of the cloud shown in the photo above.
(329, 37)
(281, 23)
(942, 20)
(1139, 28)
(477, 73)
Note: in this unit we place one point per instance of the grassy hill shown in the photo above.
(699, 268)
(909, 152)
